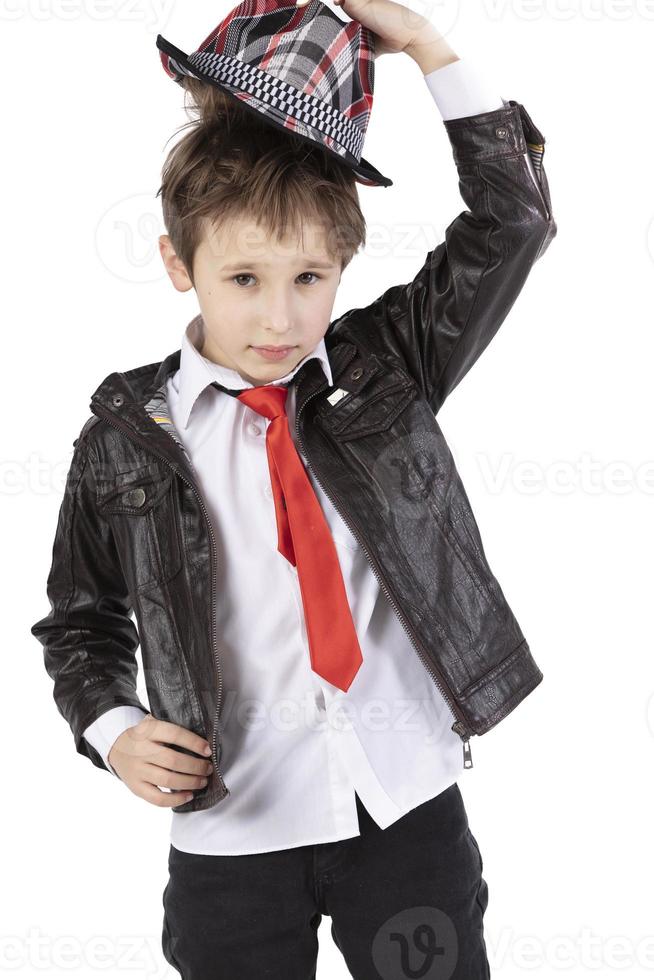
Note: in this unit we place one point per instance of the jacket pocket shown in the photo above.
(141, 507)
(371, 408)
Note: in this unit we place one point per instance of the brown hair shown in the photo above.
(231, 164)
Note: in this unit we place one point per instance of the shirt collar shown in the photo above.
(197, 372)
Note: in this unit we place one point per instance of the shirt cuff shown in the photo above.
(460, 89)
(104, 731)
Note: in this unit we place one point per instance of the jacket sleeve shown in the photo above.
(442, 321)
(89, 639)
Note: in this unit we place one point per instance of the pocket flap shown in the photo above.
(135, 492)
(372, 407)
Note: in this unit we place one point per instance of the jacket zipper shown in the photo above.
(459, 726)
(108, 417)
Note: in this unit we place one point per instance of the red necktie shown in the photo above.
(305, 540)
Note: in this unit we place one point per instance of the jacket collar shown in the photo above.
(135, 400)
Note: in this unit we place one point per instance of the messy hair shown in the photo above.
(233, 165)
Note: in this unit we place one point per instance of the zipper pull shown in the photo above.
(460, 729)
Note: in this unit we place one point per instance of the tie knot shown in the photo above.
(268, 400)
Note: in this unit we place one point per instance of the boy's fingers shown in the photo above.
(173, 779)
(152, 794)
(166, 731)
(166, 759)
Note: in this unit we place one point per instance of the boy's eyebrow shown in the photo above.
(253, 265)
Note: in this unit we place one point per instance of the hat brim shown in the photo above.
(171, 57)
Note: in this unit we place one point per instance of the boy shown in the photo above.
(289, 528)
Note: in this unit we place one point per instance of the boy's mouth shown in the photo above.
(271, 347)
(273, 353)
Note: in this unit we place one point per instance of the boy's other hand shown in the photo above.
(144, 763)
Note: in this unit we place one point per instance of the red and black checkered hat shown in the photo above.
(300, 67)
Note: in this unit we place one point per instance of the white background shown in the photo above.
(551, 431)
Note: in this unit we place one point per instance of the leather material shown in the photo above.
(133, 534)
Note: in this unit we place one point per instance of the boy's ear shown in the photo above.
(174, 266)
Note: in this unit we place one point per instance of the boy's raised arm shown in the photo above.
(89, 639)
(441, 322)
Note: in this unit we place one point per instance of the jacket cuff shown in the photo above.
(492, 135)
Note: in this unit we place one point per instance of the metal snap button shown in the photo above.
(117, 400)
(356, 374)
(135, 497)
(501, 132)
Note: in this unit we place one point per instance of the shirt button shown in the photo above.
(268, 491)
(254, 429)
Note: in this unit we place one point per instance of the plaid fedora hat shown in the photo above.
(300, 67)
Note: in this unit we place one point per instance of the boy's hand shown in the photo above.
(395, 26)
(144, 764)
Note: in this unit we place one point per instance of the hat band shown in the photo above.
(282, 96)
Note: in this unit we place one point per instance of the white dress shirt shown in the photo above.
(294, 747)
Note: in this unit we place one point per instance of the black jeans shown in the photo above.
(405, 902)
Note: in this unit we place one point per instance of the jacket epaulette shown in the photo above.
(86, 428)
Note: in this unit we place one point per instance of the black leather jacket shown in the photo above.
(134, 534)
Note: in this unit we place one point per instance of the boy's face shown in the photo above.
(255, 291)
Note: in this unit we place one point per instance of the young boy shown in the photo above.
(320, 630)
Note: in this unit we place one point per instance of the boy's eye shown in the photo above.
(248, 275)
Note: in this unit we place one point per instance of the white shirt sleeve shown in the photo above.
(459, 89)
(104, 731)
